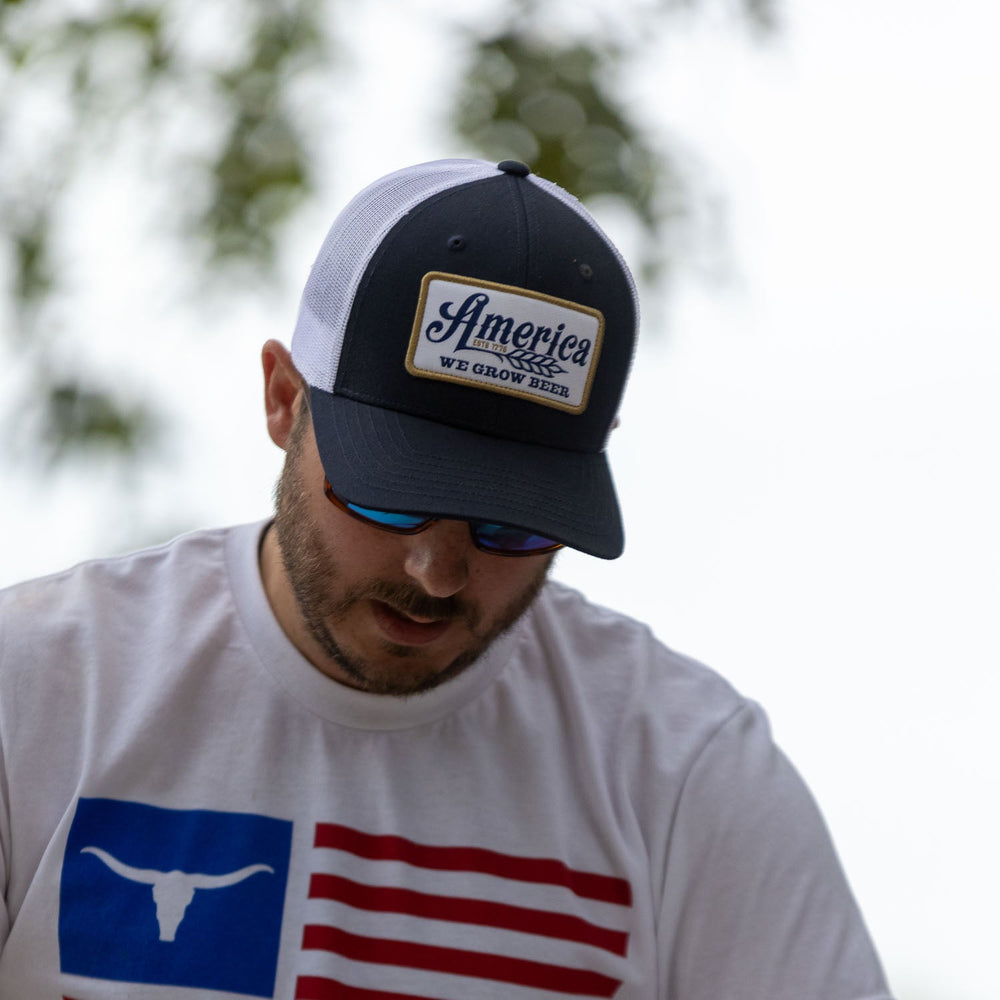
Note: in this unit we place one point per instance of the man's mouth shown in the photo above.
(407, 629)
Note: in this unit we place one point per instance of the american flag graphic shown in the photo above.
(392, 919)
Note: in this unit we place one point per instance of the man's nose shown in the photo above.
(438, 558)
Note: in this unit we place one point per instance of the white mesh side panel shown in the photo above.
(350, 244)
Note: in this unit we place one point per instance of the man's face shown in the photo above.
(388, 613)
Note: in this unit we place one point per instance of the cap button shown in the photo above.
(515, 167)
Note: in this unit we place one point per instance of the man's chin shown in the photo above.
(398, 669)
(402, 678)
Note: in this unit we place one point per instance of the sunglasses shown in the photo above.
(497, 539)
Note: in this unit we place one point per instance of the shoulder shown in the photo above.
(622, 649)
(109, 574)
(645, 689)
(116, 594)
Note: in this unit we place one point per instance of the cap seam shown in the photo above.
(523, 228)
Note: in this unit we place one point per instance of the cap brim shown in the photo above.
(392, 461)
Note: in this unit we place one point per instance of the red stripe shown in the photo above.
(480, 965)
(318, 988)
(467, 911)
(547, 871)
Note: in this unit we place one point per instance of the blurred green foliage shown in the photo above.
(113, 68)
(548, 105)
(261, 171)
(76, 414)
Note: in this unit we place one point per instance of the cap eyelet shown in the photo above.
(456, 243)
(586, 271)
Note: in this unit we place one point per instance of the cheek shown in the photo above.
(501, 582)
(361, 552)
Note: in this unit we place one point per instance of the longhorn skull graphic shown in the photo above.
(173, 891)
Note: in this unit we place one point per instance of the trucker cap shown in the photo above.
(466, 332)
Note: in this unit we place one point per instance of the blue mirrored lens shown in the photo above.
(389, 519)
(502, 538)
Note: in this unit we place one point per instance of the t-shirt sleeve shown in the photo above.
(755, 903)
(4, 916)
(4, 813)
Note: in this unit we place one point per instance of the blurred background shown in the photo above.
(807, 459)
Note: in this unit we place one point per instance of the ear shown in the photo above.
(283, 390)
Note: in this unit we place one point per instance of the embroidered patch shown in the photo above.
(176, 898)
(505, 339)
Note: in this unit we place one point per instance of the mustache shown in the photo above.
(411, 600)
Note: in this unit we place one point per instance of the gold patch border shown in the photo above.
(526, 293)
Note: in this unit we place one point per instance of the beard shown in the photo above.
(324, 601)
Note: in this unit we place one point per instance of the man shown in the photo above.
(365, 751)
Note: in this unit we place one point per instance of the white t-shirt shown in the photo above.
(189, 809)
